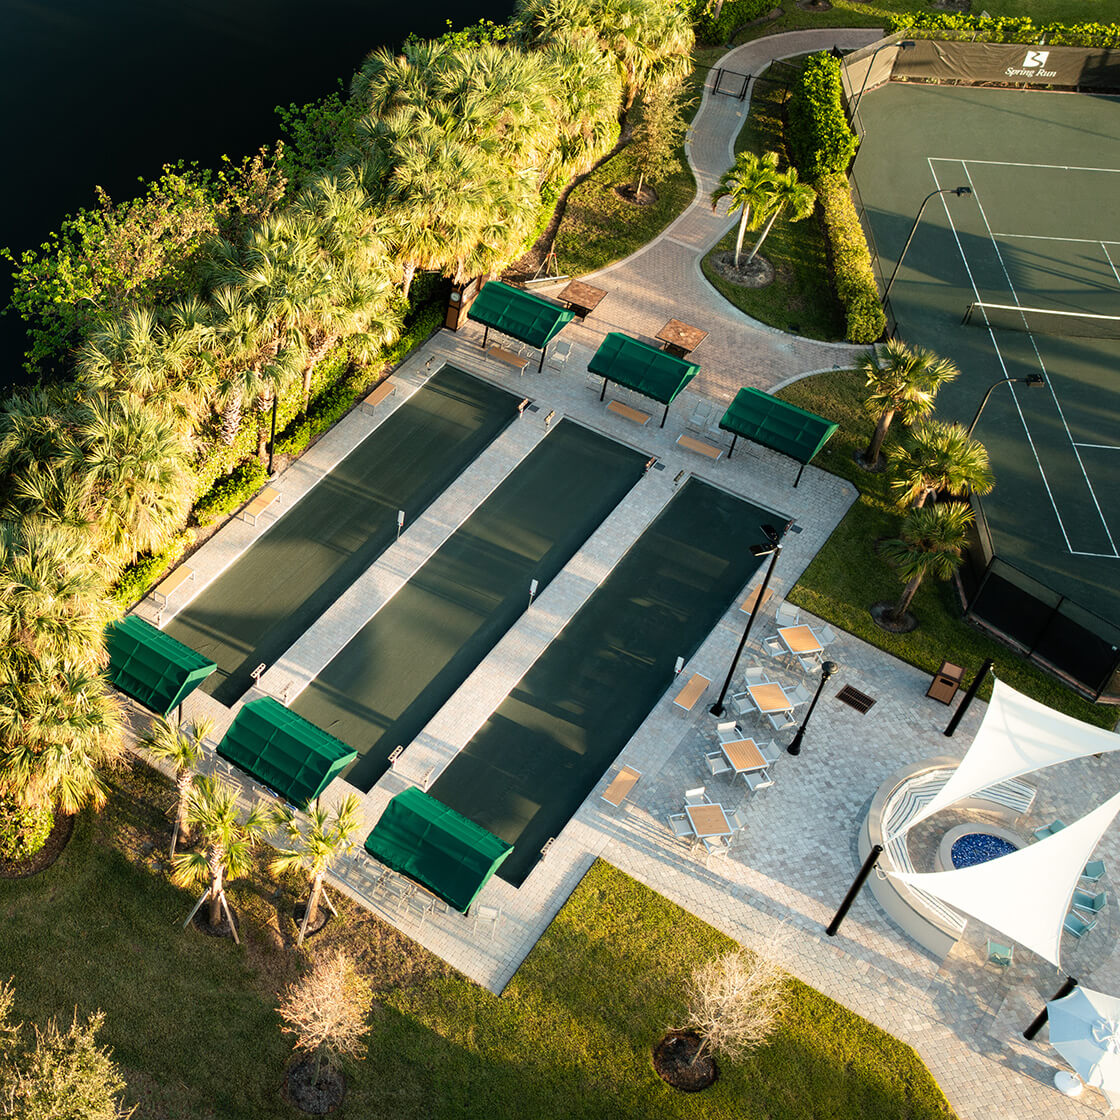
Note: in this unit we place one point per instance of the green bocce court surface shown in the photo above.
(407, 661)
(1041, 229)
(267, 598)
(534, 761)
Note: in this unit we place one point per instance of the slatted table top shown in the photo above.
(744, 755)
(708, 820)
(799, 639)
(769, 698)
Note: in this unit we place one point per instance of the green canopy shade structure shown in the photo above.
(645, 369)
(775, 424)
(526, 317)
(151, 667)
(294, 758)
(422, 838)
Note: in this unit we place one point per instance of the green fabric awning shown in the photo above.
(422, 838)
(147, 665)
(283, 751)
(525, 317)
(778, 425)
(645, 369)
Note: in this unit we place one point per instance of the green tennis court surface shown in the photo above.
(1040, 230)
(534, 761)
(258, 607)
(408, 660)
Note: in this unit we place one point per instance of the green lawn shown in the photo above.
(801, 298)
(846, 577)
(191, 1018)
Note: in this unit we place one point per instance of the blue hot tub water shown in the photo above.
(978, 847)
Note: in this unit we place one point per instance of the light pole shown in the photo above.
(773, 549)
(905, 45)
(958, 191)
(827, 670)
(1030, 379)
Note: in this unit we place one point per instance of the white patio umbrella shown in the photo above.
(1085, 1030)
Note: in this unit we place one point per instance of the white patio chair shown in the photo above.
(696, 796)
(738, 819)
(755, 674)
(715, 846)
(759, 779)
(826, 635)
(787, 614)
(561, 352)
(491, 914)
(717, 764)
(770, 751)
(681, 827)
(810, 662)
(799, 694)
(741, 702)
(728, 731)
(779, 721)
(772, 646)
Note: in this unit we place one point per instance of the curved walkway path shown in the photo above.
(663, 280)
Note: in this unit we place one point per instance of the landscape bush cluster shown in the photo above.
(819, 137)
(1003, 29)
(733, 14)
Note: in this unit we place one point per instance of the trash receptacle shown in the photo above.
(946, 681)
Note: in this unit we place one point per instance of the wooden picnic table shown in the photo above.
(744, 755)
(769, 698)
(747, 605)
(799, 640)
(691, 692)
(581, 298)
(680, 339)
(708, 820)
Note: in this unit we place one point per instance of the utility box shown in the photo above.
(946, 681)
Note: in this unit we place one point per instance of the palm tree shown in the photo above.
(182, 747)
(325, 836)
(749, 183)
(935, 456)
(789, 196)
(930, 543)
(903, 382)
(226, 839)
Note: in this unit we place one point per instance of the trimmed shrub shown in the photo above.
(820, 140)
(228, 493)
(23, 832)
(137, 578)
(733, 15)
(1004, 29)
(851, 261)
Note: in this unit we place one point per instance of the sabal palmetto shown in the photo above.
(181, 746)
(930, 543)
(226, 840)
(902, 382)
(318, 842)
(588, 94)
(937, 455)
(789, 198)
(749, 184)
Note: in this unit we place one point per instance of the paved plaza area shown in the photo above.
(798, 853)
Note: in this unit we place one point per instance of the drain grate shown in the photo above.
(855, 699)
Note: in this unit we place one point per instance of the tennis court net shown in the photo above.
(1041, 320)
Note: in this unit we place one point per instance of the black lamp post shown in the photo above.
(827, 670)
(773, 549)
(1030, 379)
(958, 191)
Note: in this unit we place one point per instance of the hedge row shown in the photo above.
(732, 15)
(231, 491)
(1006, 29)
(851, 260)
(139, 577)
(819, 137)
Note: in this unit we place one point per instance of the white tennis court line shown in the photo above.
(1100, 446)
(1003, 366)
(1044, 166)
(1071, 240)
(1108, 257)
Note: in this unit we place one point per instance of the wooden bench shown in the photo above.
(499, 354)
(628, 413)
(621, 785)
(691, 692)
(259, 504)
(747, 605)
(382, 392)
(172, 584)
(699, 446)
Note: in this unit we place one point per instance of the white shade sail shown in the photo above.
(1024, 895)
(1085, 1030)
(1017, 735)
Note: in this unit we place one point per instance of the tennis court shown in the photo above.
(534, 761)
(267, 598)
(1038, 231)
(408, 660)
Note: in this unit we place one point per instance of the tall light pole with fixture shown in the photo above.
(904, 45)
(958, 191)
(773, 549)
(827, 670)
(1030, 379)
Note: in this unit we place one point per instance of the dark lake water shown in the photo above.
(104, 91)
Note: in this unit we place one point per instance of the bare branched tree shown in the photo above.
(734, 1002)
(327, 1011)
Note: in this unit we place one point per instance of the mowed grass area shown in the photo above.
(847, 576)
(190, 1018)
(801, 298)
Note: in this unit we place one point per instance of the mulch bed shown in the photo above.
(626, 192)
(319, 1097)
(201, 922)
(757, 274)
(880, 612)
(314, 927)
(56, 842)
(672, 1059)
(814, 5)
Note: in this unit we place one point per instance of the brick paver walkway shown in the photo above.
(663, 280)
